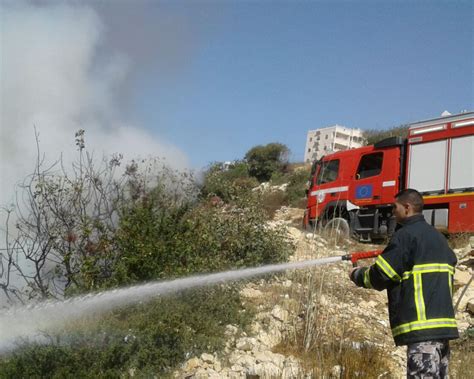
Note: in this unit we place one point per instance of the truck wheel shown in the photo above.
(337, 228)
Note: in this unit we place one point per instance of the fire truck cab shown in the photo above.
(353, 190)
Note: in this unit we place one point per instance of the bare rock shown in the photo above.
(243, 360)
(279, 313)
(336, 371)
(265, 370)
(256, 327)
(208, 358)
(251, 293)
(204, 373)
(246, 343)
(461, 278)
(231, 330)
(467, 297)
(237, 368)
(272, 335)
(237, 375)
(268, 356)
(192, 364)
(470, 306)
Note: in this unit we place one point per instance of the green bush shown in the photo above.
(264, 160)
(206, 237)
(294, 195)
(151, 338)
(297, 185)
(227, 183)
(234, 236)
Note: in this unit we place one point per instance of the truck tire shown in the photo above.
(337, 228)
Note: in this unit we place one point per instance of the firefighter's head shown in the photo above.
(407, 203)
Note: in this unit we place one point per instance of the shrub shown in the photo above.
(207, 237)
(265, 160)
(151, 339)
(235, 236)
(227, 183)
(272, 200)
(293, 195)
(297, 185)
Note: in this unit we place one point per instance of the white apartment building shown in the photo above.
(328, 140)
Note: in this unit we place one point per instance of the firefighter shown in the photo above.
(416, 269)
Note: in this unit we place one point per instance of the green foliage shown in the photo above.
(150, 338)
(206, 237)
(294, 195)
(228, 183)
(234, 236)
(297, 185)
(375, 135)
(264, 160)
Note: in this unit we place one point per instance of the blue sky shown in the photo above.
(211, 79)
(263, 71)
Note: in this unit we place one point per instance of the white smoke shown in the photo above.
(55, 77)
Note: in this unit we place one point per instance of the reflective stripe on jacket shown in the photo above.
(417, 269)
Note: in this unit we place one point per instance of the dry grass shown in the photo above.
(339, 360)
(459, 240)
(272, 201)
(325, 342)
(462, 358)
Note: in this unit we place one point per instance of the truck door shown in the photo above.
(376, 179)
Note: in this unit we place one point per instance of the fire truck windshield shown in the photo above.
(328, 172)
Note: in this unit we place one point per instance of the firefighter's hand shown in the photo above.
(352, 273)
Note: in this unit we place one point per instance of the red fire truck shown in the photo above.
(353, 191)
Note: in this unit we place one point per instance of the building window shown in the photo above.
(310, 139)
(309, 150)
(370, 165)
(326, 137)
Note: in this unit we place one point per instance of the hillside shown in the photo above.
(155, 229)
(315, 323)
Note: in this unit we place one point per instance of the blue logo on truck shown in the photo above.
(364, 191)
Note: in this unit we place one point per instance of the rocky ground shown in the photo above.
(340, 311)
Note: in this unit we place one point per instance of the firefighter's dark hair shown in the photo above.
(412, 197)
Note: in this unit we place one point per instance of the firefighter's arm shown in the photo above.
(387, 270)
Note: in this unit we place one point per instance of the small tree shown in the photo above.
(65, 220)
(264, 160)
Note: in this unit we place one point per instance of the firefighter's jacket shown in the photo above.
(417, 269)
